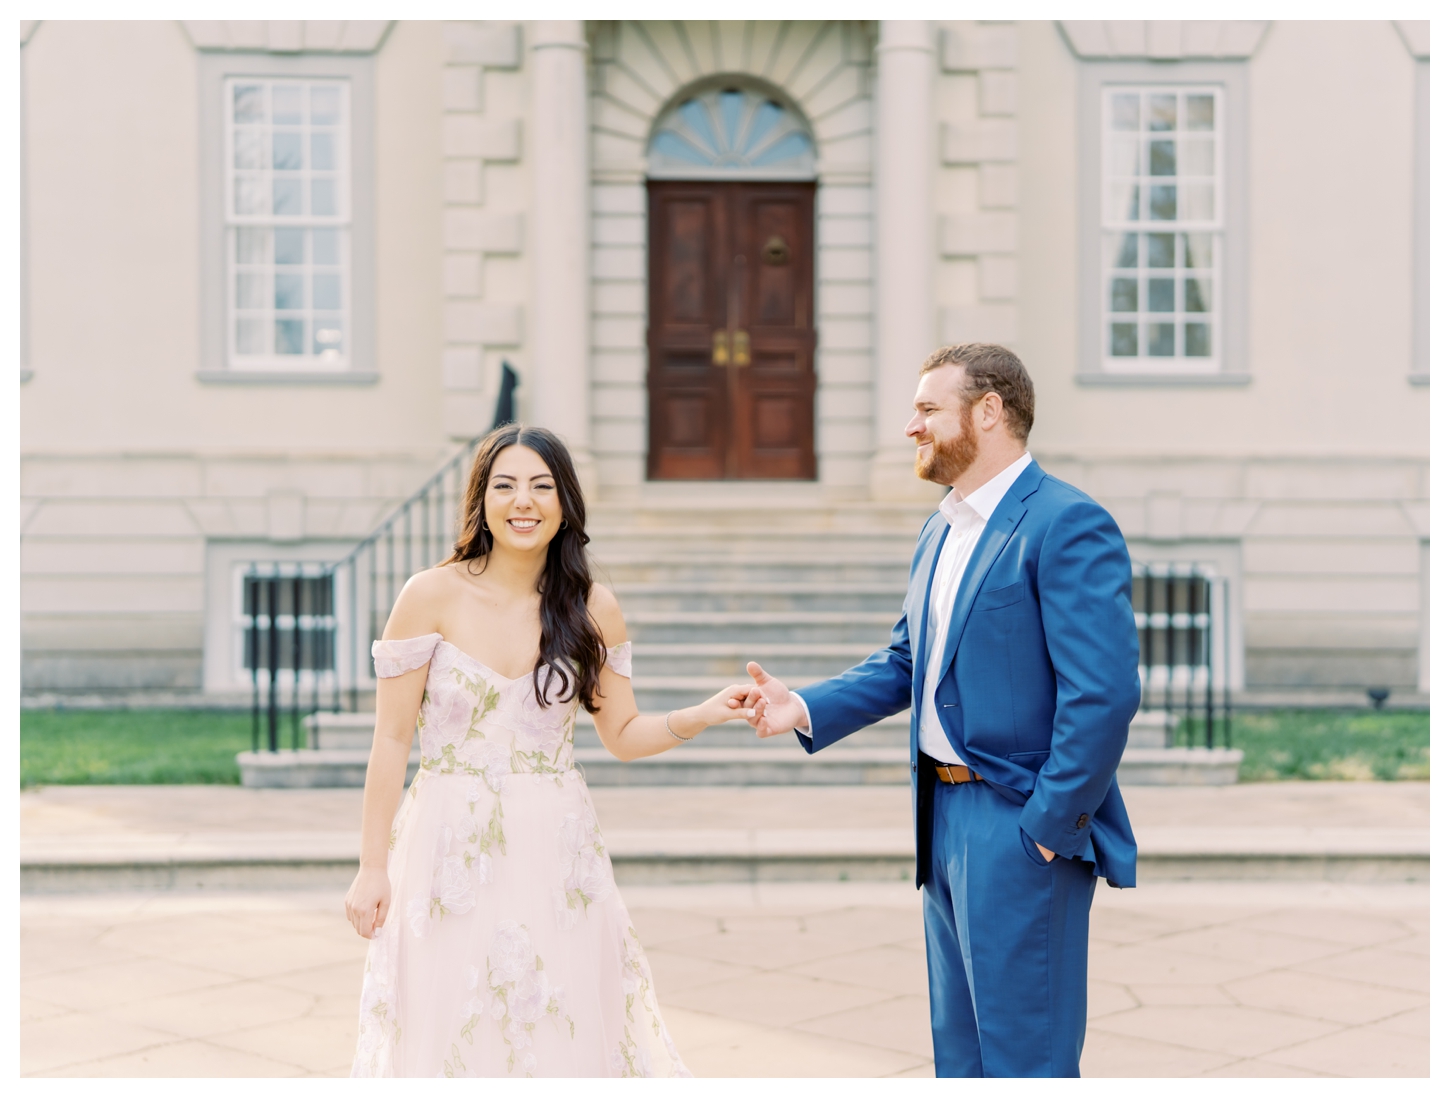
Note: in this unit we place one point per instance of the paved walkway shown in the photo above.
(763, 980)
(1197, 978)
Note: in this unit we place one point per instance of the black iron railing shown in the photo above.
(289, 642)
(1182, 612)
(308, 627)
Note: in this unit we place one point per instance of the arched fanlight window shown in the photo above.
(732, 133)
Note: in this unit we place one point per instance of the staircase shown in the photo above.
(710, 581)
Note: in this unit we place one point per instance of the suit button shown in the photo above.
(1082, 821)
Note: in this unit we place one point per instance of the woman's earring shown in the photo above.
(564, 525)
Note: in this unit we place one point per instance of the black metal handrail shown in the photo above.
(1182, 611)
(294, 614)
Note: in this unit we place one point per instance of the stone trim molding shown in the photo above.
(27, 28)
(287, 35)
(1164, 39)
(1416, 36)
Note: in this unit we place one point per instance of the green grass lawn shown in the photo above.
(1325, 744)
(133, 746)
(174, 746)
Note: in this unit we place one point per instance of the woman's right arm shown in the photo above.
(398, 702)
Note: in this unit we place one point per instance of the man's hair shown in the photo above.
(990, 368)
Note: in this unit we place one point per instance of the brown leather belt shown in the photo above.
(956, 775)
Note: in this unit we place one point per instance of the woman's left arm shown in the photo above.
(626, 732)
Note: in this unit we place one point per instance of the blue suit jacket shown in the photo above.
(1039, 675)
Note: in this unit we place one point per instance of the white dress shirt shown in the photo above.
(967, 517)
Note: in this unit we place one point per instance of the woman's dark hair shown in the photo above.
(570, 645)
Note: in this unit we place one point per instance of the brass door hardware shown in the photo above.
(776, 253)
(742, 347)
(721, 354)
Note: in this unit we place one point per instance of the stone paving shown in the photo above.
(1194, 978)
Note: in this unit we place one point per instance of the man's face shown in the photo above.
(946, 439)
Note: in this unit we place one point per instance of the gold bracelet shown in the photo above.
(671, 731)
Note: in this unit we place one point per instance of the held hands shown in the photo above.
(367, 900)
(769, 707)
(728, 705)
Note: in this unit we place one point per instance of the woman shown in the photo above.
(500, 944)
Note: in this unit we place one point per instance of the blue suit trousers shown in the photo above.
(1006, 942)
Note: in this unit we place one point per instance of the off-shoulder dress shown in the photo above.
(507, 950)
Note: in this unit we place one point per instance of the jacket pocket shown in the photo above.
(998, 597)
(1029, 760)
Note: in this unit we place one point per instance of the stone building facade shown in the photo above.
(1226, 317)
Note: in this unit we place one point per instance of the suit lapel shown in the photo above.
(989, 547)
(916, 615)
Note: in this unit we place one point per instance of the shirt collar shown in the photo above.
(982, 502)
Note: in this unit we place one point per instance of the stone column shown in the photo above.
(558, 218)
(905, 295)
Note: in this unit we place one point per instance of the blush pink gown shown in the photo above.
(507, 950)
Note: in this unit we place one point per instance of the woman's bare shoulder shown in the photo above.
(604, 608)
(421, 604)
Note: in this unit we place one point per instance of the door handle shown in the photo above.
(721, 354)
(742, 347)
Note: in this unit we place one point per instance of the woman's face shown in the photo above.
(521, 501)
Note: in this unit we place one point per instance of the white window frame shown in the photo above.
(340, 222)
(1227, 363)
(219, 222)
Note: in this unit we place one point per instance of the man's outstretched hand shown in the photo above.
(776, 711)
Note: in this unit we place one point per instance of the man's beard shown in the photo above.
(951, 459)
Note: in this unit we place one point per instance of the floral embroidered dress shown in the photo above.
(507, 949)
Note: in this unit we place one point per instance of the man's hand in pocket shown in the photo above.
(1049, 855)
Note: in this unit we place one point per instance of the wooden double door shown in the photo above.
(732, 338)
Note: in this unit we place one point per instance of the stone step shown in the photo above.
(328, 859)
(756, 597)
(322, 768)
(1180, 766)
(825, 627)
(614, 569)
(811, 662)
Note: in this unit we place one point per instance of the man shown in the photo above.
(1018, 655)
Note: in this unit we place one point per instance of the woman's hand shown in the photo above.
(367, 900)
(728, 705)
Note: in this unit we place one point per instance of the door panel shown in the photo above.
(732, 331)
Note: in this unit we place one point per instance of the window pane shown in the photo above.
(1124, 340)
(1197, 296)
(251, 290)
(326, 291)
(1163, 112)
(1125, 156)
(1160, 295)
(290, 245)
(286, 105)
(1162, 158)
(1125, 111)
(287, 197)
(1160, 249)
(251, 195)
(287, 152)
(326, 105)
(1124, 295)
(1197, 202)
(289, 337)
(324, 200)
(1196, 341)
(1196, 156)
(1163, 203)
(289, 291)
(1123, 202)
(252, 245)
(251, 336)
(327, 336)
(1200, 112)
(1127, 250)
(251, 149)
(325, 248)
(1160, 340)
(324, 153)
(1197, 250)
(248, 103)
